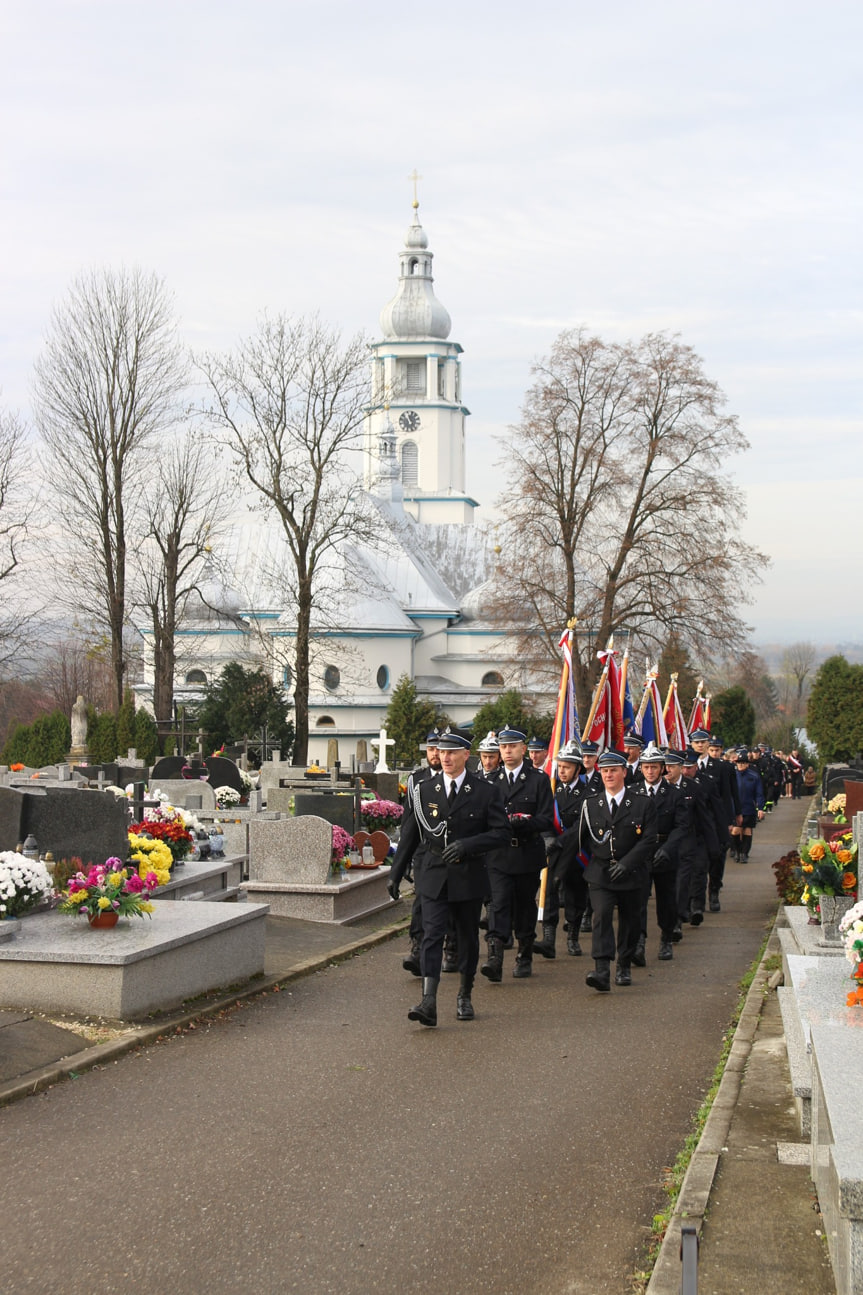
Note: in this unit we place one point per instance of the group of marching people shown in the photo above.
(616, 825)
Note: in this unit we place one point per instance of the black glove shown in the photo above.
(521, 827)
(393, 888)
(454, 852)
(616, 871)
(661, 858)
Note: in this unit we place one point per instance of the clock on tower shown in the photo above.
(409, 420)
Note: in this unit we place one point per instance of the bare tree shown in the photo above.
(77, 665)
(798, 662)
(16, 503)
(289, 402)
(620, 512)
(106, 385)
(185, 502)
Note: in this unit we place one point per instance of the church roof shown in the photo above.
(415, 313)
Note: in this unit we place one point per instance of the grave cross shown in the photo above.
(382, 742)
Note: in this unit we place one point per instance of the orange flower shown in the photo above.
(855, 998)
(807, 867)
(816, 852)
(16, 768)
(849, 881)
(844, 856)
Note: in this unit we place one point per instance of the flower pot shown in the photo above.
(103, 921)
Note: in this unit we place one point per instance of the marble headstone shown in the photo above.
(290, 850)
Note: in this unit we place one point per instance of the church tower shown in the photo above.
(416, 392)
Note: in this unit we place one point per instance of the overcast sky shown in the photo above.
(694, 168)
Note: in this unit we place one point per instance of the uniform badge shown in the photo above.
(637, 830)
(601, 831)
(433, 809)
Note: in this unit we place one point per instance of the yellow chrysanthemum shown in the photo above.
(115, 878)
(103, 901)
(78, 897)
(146, 907)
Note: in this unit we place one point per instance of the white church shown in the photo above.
(412, 604)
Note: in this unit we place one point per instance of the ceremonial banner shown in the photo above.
(675, 728)
(566, 715)
(696, 716)
(606, 717)
(626, 706)
(650, 723)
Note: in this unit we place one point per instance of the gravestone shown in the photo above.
(11, 817)
(384, 785)
(90, 824)
(167, 768)
(335, 809)
(224, 773)
(293, 850)
(181, 794)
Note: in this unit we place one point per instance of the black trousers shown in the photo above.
(628, 905)
(664, 887)
(716, 870)
(512, 907)
(692, 881)
(437, 914)
(572, 888)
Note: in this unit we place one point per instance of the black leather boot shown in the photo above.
(666, 951)
(426, 1011)
(450, 954)
(600, 977)
(492, 968)
(713, 901)
(586, 924)
(463, 1006)
(412, 962)
(523, 960)
(573, 947)
(622, 975)
(639, 957)
(545, 946)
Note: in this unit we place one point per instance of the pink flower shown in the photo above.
(151, 881)
(134, 885)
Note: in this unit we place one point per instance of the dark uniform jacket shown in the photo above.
(477, 817)
(699, 794)
(673, 826)
(531, 796)
(593, 782)
(563, 849)
(629, 838)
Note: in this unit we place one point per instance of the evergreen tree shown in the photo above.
(146, 741)
(239, 703)
(15, 750)
(49, 740)
(126, 724)
(102, 739)
(510, 709)
(409, 719)
(835, 712)
(733, 715)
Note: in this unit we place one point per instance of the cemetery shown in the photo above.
(222, 851)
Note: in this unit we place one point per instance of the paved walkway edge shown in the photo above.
(138, 1036)
(694, 1196)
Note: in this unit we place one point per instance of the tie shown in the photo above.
(453, 792)
(512, 780)
(613, 808)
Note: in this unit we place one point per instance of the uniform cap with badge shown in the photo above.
(507, 734)
(490, 742)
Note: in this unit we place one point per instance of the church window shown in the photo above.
(492, 679)
(383, 677)
(196, 676)
(457, 383)
(410, 464)
(414, 267)
(287, 676)
(332, 677)
(415, 377)
(441, 380)
(326, 721)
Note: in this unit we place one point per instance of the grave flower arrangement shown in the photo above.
(23, 883)
(836, 806)
(343, 843)
(381, 815)
(109, 886)
(830, 867)
(227, 797)
(851, 928)
(151, 856)
(164, 823)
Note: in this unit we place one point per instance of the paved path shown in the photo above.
(317, 1141)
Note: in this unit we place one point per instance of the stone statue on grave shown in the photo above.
(79, 729)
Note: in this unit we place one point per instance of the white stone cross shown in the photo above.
(382, 742)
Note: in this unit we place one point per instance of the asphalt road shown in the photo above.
(316, 1140)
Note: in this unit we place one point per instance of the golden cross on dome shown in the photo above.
(413, 177)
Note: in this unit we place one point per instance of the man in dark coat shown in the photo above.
(673, 843)
(700, 792)
(411, 962)
(451, 822)
(618, 828)
(514, 870)
(565, 871)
